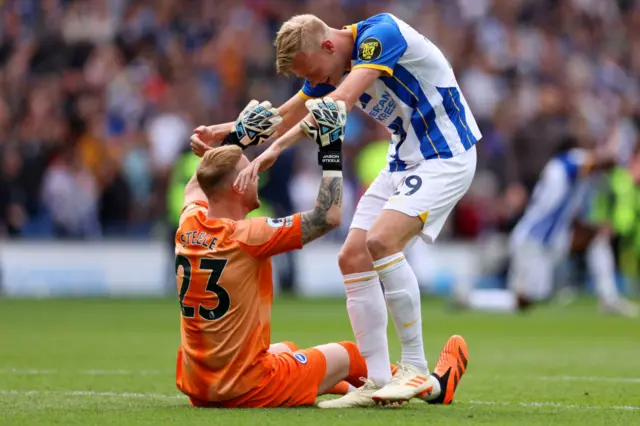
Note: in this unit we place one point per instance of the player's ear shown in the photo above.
(236, 190)
(328, 46)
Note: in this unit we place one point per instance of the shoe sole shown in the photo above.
(419, 390)
(329, 407)
(450, 368)
(384, 402)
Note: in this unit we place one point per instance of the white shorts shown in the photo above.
(532, 270)
(429, 190)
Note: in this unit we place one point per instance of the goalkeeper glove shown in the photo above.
(255, 124)
(327, 131)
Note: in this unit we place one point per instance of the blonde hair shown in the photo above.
(302, 33)
(217, 166)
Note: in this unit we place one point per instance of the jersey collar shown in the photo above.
(354, 30)
(354, 33)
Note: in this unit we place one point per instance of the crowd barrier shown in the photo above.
(124, 268)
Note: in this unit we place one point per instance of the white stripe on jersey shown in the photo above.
(554, 205)
(421, 76)
(417, 97)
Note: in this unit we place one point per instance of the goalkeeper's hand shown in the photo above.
(330, 118)
(328, 130)
(255, 125)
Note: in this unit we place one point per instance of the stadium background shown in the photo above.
(98, 99)
(97, 102)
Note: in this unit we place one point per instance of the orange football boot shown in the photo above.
(450, 368)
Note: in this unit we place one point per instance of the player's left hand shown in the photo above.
(255, 125)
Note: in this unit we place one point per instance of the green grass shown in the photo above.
(67, 362)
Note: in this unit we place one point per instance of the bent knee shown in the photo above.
(377, 246)
(353, 260)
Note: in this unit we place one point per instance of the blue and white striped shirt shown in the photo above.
(417, 97)
(556, 201)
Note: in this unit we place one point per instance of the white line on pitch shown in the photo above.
(174, 397)
(91, 393)
(36, 372)
(592, 379)
(557, 405)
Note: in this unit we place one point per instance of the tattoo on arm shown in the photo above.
(314, 222)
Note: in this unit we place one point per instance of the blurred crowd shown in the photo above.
(98, 99)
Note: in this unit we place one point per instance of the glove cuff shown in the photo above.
(232, 139)
(330, 160)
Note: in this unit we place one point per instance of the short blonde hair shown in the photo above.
(302, 33)
(218, 165)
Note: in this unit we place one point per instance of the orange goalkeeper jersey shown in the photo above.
(225, 286)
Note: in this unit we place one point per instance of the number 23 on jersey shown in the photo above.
(214, 268)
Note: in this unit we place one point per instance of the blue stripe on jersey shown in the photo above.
(545, 228)
(570, 165)
(406, 87)
(365, 98)
(562, 211)
(456, 112)
(427, 116)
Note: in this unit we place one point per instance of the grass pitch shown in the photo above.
(111, 362)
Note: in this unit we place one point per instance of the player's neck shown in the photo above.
(226, 210)
(343, 39)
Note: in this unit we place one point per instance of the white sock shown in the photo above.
(368, 315)
(601, 265)
(402, 293)
(493, 299)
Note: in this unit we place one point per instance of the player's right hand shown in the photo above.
(204, 137)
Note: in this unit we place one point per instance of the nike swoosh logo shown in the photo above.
(408, 324)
